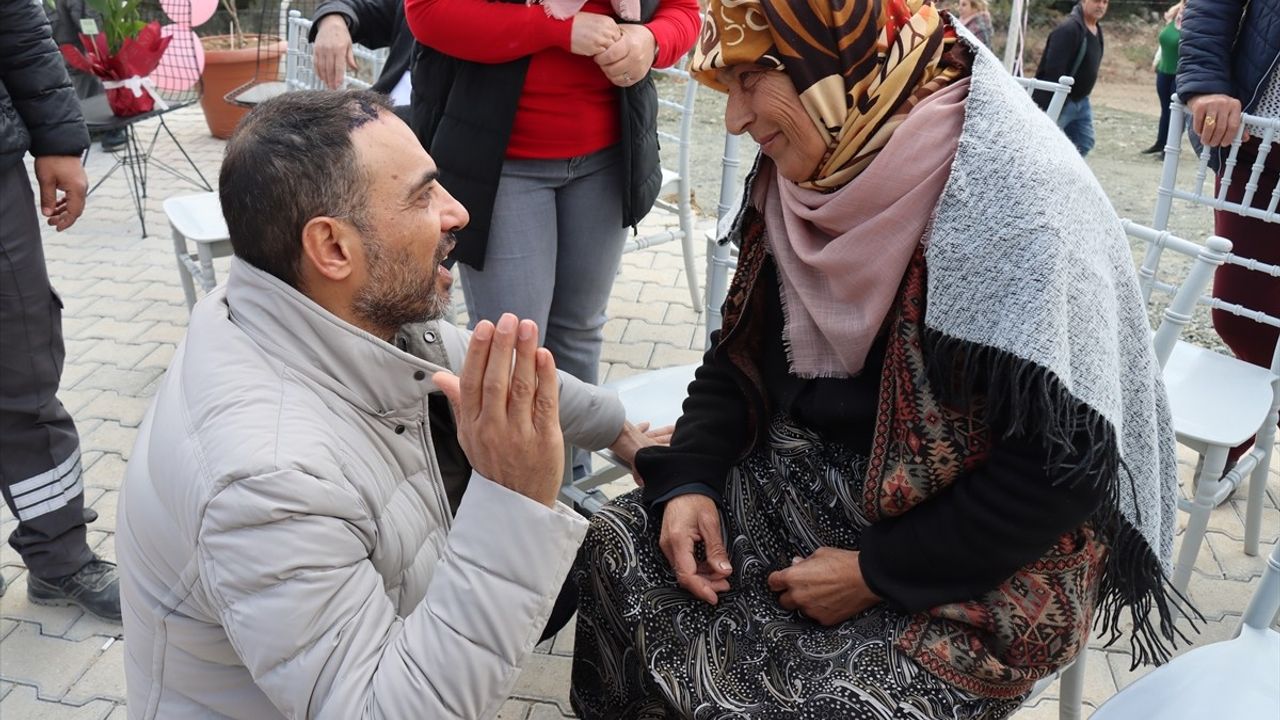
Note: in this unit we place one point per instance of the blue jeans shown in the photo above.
(1076, 122)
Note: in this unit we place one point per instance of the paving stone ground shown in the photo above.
(124, 316)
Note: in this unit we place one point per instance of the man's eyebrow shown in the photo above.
(426, 179)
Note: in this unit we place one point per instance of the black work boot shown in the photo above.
(94, 587)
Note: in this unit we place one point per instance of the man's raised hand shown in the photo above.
(508, 415)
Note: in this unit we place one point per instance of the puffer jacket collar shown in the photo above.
(364, 370)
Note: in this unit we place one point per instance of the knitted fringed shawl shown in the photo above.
(1032, 293)
(1020, 311)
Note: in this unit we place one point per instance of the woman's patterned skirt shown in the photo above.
(645, 648)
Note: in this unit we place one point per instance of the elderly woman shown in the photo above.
(930, 440)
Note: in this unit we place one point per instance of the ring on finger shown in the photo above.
(1210, 120)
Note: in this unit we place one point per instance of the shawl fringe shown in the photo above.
(1021, 394)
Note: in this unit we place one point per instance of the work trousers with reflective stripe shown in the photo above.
(39, 449)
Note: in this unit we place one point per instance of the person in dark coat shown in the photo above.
(1075, 48)
(1229, 63)
(339, 24)
(40, 472)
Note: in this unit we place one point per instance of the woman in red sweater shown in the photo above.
(547, 230)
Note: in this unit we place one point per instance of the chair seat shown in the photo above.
(1237, 679)
(197, 217)
(656, 396)
(257, 93)
(1216, 399)
(669, 180)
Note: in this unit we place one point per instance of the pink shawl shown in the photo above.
(841, 255)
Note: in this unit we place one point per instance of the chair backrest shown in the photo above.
(1060, 90)
(177, 78)
(1191, 291)
(1197, 192)
(299, 66)
(721, 256)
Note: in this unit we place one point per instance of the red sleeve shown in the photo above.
(675, 27)
(486, 32)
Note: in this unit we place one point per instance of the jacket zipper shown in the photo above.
(436, 479)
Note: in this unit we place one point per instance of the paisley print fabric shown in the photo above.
(859, 66)
(647, 649)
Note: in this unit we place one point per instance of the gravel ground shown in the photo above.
(1125, 118)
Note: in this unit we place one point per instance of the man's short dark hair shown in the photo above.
(291, 160)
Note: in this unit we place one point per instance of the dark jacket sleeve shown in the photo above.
(972, 536)
(708, 438)
(35, 77)
(1060, 51)
(1209, 29)
(372, 22)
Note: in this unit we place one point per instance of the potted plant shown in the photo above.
(232, 61)
(123, 54)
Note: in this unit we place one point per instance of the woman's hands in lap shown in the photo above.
(687, 520)
(826, 587)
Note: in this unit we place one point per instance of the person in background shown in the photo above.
(338, 24)
(545, 130)
(977, 18)
(1229, 63)
(1165, 66)
(40, 472)
(1075, 48)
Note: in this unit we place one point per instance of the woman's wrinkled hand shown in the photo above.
(592, 34)
(686, 521)
(826, 587)
(1215, 118)
(628, 60)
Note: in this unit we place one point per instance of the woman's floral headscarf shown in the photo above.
(859, 66)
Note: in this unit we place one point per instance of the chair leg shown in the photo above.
(690, 262)
(184, 276)
(1265, 440)
(1071, 688)
(1201, 506)
(207, 278)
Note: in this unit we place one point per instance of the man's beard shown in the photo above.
(398, 292)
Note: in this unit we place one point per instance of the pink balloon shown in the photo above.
(183, 60)
(195, 12)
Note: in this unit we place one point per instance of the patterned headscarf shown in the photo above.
(858, 65)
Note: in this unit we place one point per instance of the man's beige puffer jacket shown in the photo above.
(284, 541)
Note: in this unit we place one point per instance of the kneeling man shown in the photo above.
(285, 529)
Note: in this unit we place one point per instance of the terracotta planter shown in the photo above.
(226, 70)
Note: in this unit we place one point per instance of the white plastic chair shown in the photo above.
(1237, 679)
(676, 180)
(657, 396)
(1197, 192)
(1218, 402)
(1060, 90)
(198, 219)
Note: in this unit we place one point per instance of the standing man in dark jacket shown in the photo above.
(1229, 63)
(39, 448)
(337, 24)
(1075, 48)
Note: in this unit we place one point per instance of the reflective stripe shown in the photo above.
(62, 493)
(55, 493)
(25, 486)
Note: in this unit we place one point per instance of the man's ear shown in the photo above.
(329, 246)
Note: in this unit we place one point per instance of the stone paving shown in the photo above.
(124, 316)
